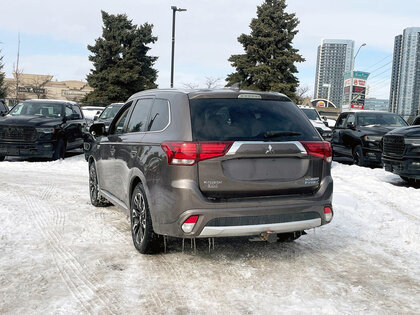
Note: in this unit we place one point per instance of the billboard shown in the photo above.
(354, 92)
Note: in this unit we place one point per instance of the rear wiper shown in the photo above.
(273, 134)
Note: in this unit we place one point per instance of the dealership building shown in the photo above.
(38, 86)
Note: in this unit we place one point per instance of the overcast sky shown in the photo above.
(54, 34)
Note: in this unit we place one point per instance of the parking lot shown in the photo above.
(59, 254)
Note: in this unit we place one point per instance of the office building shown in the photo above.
(335, 57)
(405, 81)
(376, 104)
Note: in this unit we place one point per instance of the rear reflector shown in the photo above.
(190, 153)
(189, 224)
(328, 213)
(321, 149)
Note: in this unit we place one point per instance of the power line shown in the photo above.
(375, 76)
(390, 55)
(380, 67)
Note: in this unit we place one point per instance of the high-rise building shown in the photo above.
(335, 56)
(404, 97)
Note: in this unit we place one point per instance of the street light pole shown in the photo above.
(351, 74)
(354, 59)
(328, 85)
(174, 9)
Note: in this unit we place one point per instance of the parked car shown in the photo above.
(3, 108)
(401, 153)
(91, 111)
(41, 128)
(108, 114)
(213, 163)
(316, 120)
(358, 135)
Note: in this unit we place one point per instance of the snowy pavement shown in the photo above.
(59, 254)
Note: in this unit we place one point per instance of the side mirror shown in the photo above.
(98, 112)
(73, 117)
(97, 130)
(96, 117)
(351, 125)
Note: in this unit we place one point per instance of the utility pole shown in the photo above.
(17, 72)
(174, 9)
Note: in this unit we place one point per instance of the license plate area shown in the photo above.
(13, 151)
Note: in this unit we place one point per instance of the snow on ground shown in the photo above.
(59, 254)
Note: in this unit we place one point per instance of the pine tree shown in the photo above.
(3, 91)
(121, 64)
(269, 60)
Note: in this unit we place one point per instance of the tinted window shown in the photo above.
(340, 121)
(372, 119)
(119, 126)
(351, 119)
(3, 107)
(140, 115)
(159, 117)
(249, 119)
(77, 111)
(69, 111)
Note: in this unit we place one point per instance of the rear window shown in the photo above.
(249, 119)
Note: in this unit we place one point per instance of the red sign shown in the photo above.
(356, 106)
(359, 82)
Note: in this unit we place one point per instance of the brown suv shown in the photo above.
(212, 163)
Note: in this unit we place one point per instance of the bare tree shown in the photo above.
(17, 72)
(212, 83)
(190, 85)
(300, 93)
(38, 85)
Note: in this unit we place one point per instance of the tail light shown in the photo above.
(328, 213)
(190, 153)
(321, 149)
(189, 224)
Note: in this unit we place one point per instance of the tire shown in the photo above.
(358, 157)
(409, 180)
(145, 240)
(289, 237)
(2, 158)
(60, 150)
(95, 198)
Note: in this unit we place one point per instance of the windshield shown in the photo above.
(110, 112)
(311, 113)
(38, 109)
(377, 119)
(248, 119)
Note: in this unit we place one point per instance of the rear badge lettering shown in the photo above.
(311, 180)
(212, 183)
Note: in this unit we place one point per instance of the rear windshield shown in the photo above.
(378, 119)
(311, 113)
(249, 119)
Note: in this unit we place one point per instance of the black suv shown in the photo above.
(358, 135)
(41, 128)
(401, 153)
(212, 163)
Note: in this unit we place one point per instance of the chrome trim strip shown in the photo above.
(237, 144)
(113, 200)
(244, 230)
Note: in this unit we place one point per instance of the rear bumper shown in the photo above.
(407, 167)
(247, 217)
(41, 150)
(244, 230)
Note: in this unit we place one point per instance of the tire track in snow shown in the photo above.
(83, 288)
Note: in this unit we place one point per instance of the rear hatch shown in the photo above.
(266, 147)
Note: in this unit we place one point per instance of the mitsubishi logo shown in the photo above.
(270, 150)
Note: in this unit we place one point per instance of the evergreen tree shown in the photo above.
(3, 91)
(269, 60)
(121, 64)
